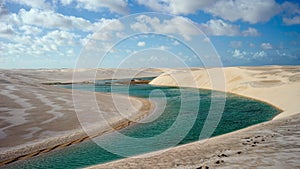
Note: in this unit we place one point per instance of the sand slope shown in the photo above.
(277, 85)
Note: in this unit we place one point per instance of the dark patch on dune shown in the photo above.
(266, 83)
(294, 78)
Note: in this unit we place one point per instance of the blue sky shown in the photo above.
(57, 33)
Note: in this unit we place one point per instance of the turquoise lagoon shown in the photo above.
(239, 112)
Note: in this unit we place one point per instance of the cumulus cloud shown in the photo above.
(248, 56)
(40, 4)
(291, 12)
(116, 6)
(219, 28)
(290, 8)
(176, 25)
(50, 19)
(30, 30)
(54, 42)
(239, 54)
(66, 2)
(141, 44)
(106, 25)
(3, 10)
(266, 46)
(259, 54)
(6, 30)
(35, 18)
(253, 11)
(292, 21)
(60, 38)
(250, 32)
(36, 32)
(176, 6)
(206, 39)
(249, 11)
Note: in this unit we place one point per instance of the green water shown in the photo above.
(239, 112)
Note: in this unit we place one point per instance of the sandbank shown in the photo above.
(37, 118)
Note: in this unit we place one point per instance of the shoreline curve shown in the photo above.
(33, 103)
(243, 147)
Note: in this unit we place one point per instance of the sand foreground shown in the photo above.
(273, 144)
(37, 118)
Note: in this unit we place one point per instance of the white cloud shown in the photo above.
(177, 25)
(250, 32)
(290, 8)
(106, 25)
(50, 19)
(145, 23)
(30, 30)
(279, 53)
(40, 4)
(206, 39)
(11, 18)
(66, 2)
(61, 38)
(3, 10)
(176, 6)
(53, 43)
(141, 44)
(239, 54)
(291, 12)
(292, 21)
(259, 54)
(116, 6)
(266, 46)
(219, 28)
(6, 30)
(253, 11)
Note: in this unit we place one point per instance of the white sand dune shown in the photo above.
(276, 85)
(36, 118)
(272, 144)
